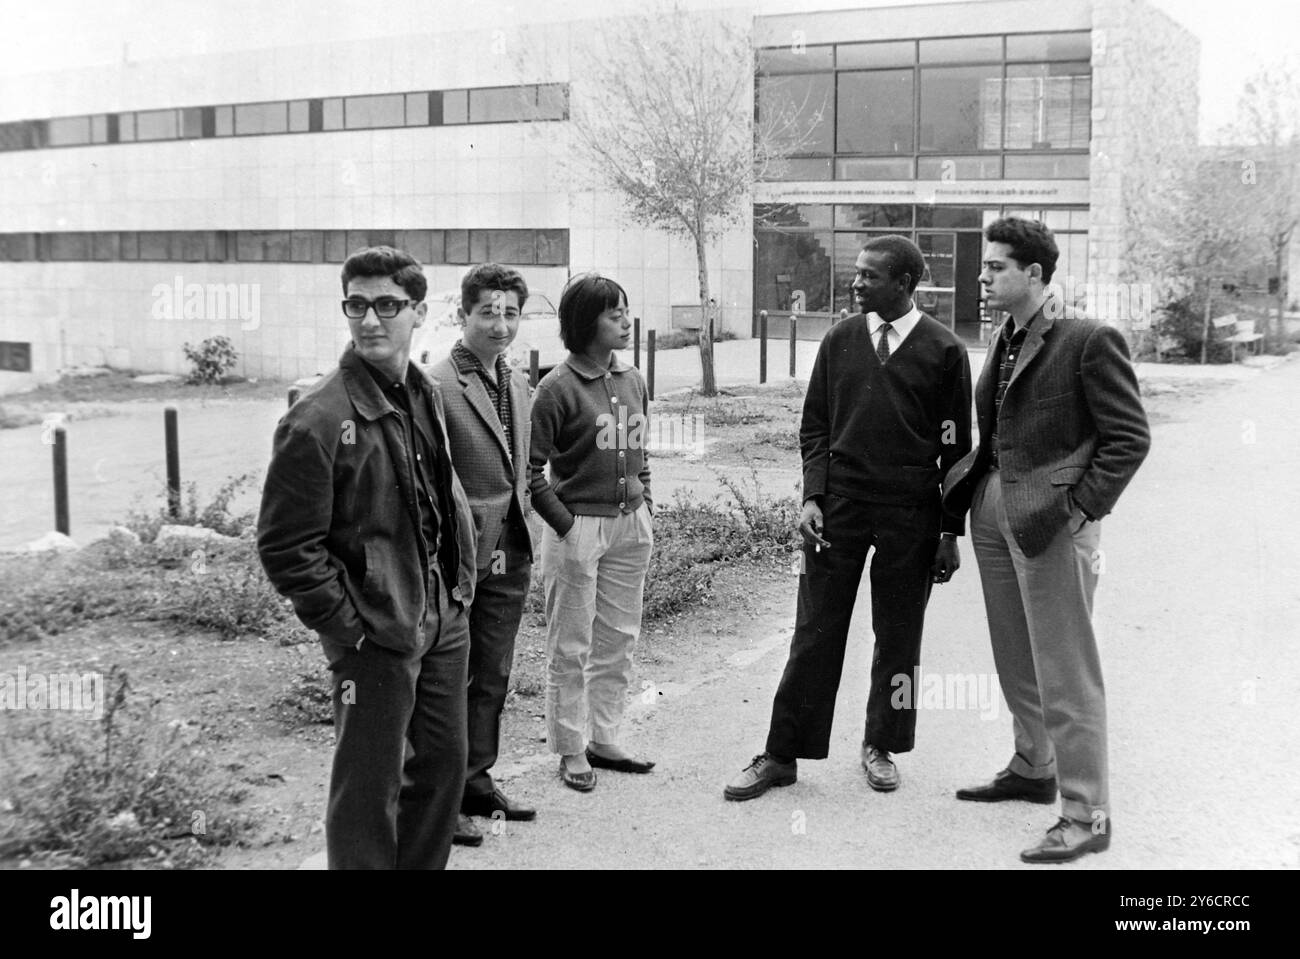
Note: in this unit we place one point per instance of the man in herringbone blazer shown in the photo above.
(488, 416)
(1062, 432)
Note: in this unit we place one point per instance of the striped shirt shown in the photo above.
(498, 391)
(1010, 345)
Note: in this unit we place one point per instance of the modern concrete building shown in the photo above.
(156, 202)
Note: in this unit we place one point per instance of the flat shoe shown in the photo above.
(619, 765)
(583, 782)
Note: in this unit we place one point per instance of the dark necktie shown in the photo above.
(882, 350)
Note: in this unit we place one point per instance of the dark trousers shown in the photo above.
(399, 746)
(904, 539)
(493, 623)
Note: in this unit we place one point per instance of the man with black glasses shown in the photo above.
(365, 527)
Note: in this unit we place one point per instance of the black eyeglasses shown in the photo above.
(386, 307)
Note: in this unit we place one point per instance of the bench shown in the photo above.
(1243, 332)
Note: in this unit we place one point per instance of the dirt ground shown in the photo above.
(704, 681)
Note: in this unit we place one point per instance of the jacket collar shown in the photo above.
(363, 391)
(582, 364)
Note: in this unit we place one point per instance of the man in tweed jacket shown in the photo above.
(487, 408)
(1062, 432)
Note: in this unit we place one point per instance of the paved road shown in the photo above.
(1198, 613)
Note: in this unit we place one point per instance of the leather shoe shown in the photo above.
(759, 776)
(583, 782)
(627, 765)
(1009, 785)
(1068, 840)
(882, 774)
(496, 802)
(467, 834)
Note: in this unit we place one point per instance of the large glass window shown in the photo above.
(962, 50)
(897, 53)
(1049, 106)
(788, 262)
(874, 112)
(1050, 46)
(387, 110)
(156, 125)
(961, 109)
(68, 131)
(795, 58)
(802, 109)
(261, 118)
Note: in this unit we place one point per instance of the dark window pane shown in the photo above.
(17, 246)
(193, 246)
(416, 243)
(790, 216)
(873, 168)
(105, 246)
(357, 240)
(417, 109)
(69, 246)
(336, 246)
(866, 216)
(458, 246)
(16, 356)
(437, 251)
(455, 106)
(800, 110)
(874, 112)
(215, 243)
(1050, 46)
(802, 169)
(478, 246)
(153, 245)
(386, 110)
(795, 59)
(305, 246)
(261, 117)
(961, 50)
(786, 262)
(332, 114)
(99, 128)
(130, 245)
(956, 217)
(1069, 166)
(961, 109)
(68, 131)
(552, 247)
(126, 127)
(225, 121)
(552, 101)
(192, 122)
(382, 237)
(959, 168)
(1049, 106)
(900, 53)
(273, 246)
(501, 104)
(17, 136)
(517, 247)
(299, 116)
(156, 125)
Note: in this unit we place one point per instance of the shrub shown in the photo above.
(120, 787)
(216, 516)
(1182, 323)
(214, 358)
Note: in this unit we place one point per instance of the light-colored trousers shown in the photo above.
(1040, 621)
(594, 579)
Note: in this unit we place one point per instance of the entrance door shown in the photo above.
(936, 293)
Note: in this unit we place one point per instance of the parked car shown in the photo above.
(539, 329)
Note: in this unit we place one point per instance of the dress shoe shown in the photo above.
(1009, 785)
(882, 774)
(1068, 840)
(467, 834)
(496, 802)
(627, 765)
(583, 782)
(759, 776)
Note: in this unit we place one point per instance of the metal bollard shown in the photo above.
(794, 325)
(762, 346)
(173, 462)
(636, 342)
(534, 363)
(61, 522)
(650, 362)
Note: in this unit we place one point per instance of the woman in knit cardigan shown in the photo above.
(589, 423)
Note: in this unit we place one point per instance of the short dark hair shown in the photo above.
(1030, 242)
(400, 266)
(902, 255)
(491, 276)
(585, 297)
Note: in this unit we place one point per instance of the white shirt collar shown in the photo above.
(902, 326)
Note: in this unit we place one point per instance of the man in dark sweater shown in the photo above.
(886, 415)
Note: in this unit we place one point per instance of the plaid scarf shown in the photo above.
(498, 392)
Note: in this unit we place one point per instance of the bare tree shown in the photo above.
(662, 112)
(1267, 131)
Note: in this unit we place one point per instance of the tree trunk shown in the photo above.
(1279, 332)
(709, 385)
(1205, 328)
